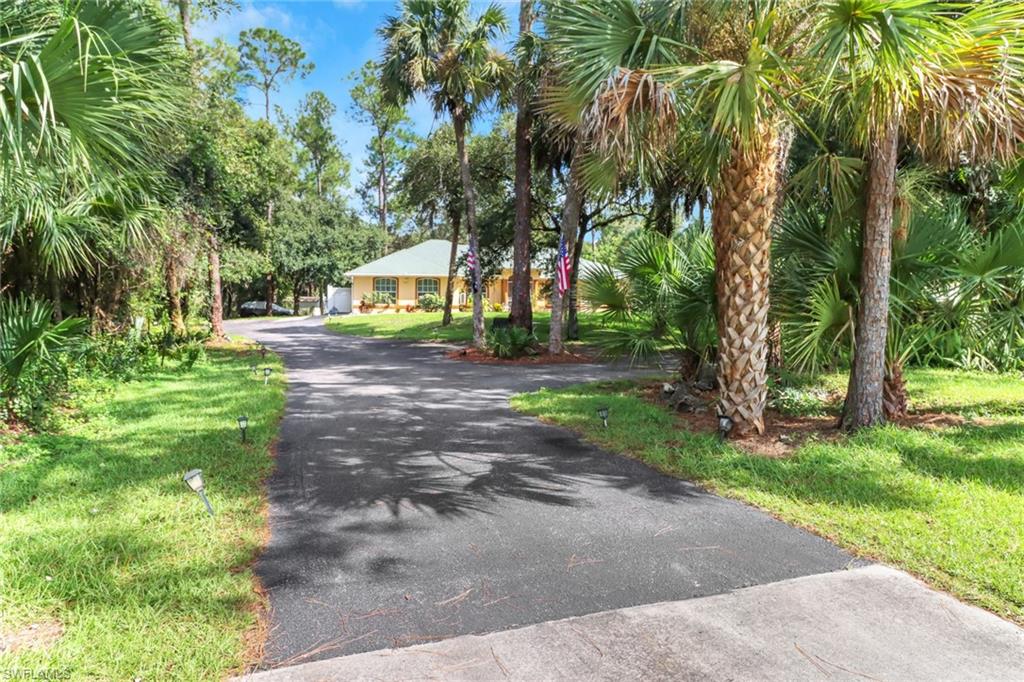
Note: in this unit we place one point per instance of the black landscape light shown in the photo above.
(253, 368)
(194, 479)
(266, 375)
(602, 412)
(724, 425)
(243, 424)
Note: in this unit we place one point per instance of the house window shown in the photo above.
(386, 286)
(427, 285)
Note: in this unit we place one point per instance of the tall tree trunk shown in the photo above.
(382, 185)
(295, 298)
(741, 221)
(663, 208)
(521, 309)
(469, 195)
(570, 224)
(573, 324)
(185, 12)
(173, 294)
(449, 290)
(322, 297)
(271, 284)
(216, 294)
(864, 395)
(271, 293)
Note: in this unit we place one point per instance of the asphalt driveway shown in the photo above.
(411, 504)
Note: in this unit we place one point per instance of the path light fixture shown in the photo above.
(243, 424)
(263, 351)
(724, 425)
(253, 368)
(194, 479)
(266, 375)
(602, 412)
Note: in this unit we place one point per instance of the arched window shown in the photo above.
(427, 285)
(386, 287)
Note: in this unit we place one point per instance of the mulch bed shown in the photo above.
(784, 433)
(541, 358)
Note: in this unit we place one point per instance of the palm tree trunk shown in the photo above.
(894, 392)
(469, 195)
(449, 290)
(216, 294)
(741, 221)
(521, 309)
(867, 377)
(570, 224)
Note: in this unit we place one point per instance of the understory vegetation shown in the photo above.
(110, 567)
(943, 502)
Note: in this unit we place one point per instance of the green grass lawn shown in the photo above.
(971, 394)
(101, 536)
(427, 326)
(947, 504)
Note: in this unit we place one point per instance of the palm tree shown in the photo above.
(947, 79)
(664, 287)
(740, 84)
(436, 48)
(86, 92)
(588, 43)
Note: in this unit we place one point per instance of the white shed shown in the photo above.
(339, 299)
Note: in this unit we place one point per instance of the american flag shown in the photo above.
(564, 268)
(471, 262)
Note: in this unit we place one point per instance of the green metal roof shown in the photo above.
(426, 259)
(430, 259)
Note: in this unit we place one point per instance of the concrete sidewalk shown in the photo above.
(870, 623)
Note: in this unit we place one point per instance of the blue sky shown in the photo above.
(338, 36)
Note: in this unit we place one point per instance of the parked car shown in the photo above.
(257, 308)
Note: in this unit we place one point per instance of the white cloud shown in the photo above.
(228, 26)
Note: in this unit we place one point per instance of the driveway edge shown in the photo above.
(873, 622)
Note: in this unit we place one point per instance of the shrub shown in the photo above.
(511, 342)
(121, 356)
(189, 352)
(431, 303)
(373, 298)
(497, 307)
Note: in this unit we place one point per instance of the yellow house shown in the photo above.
(404, 276)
